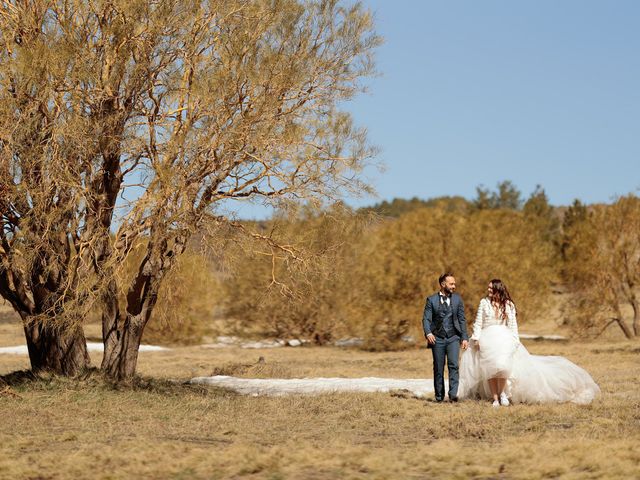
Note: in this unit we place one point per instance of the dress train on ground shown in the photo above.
(530, 378)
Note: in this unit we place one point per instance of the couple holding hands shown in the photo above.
(494, 365)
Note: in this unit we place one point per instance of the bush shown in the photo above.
(188, 303)
(301, 295)
(188, 300)
(402, 260)
(602, 251)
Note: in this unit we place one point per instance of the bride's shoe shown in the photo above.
(496, 404)
(504, 401)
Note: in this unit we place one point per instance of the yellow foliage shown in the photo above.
(603, 268)
(188, 303)
(402, 260)
(188, 300)
(303, 294)
(371, 279)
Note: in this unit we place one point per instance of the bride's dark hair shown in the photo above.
(501, 296)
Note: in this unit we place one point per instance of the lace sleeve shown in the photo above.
(477, 325)
(512, 323)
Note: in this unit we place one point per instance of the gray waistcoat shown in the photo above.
(445, 312)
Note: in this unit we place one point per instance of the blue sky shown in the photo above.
(479, 91)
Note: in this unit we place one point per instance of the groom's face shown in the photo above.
(449, 285)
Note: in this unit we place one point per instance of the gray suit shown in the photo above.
(449, 325)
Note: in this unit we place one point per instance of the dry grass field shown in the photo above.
(54, 428)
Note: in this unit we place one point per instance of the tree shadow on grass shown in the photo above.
(94, 379)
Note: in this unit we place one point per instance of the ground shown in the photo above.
(55, 428)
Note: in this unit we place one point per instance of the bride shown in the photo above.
(500, 368)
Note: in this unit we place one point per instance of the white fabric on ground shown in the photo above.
(279, 386)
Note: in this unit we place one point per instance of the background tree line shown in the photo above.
(366, 273)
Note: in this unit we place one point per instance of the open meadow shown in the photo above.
(55, 428)
(187, 188)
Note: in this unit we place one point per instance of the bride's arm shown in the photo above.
(512, 322)
(477, 325)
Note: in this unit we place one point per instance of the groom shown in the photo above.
(445, 329)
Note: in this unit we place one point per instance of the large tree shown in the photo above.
(602, 266)
(176, 108)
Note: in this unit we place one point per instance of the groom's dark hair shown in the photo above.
(443, 277)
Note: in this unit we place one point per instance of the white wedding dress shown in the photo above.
(530, 378)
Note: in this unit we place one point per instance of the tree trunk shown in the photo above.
(636, 318)
(63, 352)
(53, 350)
(122, 332)
(122, 337)
(625, 328)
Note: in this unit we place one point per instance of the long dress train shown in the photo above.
(530, 378)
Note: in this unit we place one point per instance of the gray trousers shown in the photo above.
(449, 349)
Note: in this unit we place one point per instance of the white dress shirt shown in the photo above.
(444, 299)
